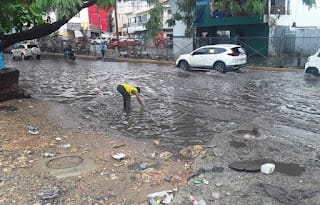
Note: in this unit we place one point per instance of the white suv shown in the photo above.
(220, 57)
(312, 65)
(25, 51)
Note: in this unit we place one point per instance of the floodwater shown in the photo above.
(181, 108)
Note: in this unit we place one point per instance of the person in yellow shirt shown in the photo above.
(127, 91)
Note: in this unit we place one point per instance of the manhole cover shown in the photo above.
(64, 162)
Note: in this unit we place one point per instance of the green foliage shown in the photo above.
(309, 3)
(63, 8)
(235, 8)
(154, 24)
(256, 7)
(186, 15)
(106, 3)
(18, 15)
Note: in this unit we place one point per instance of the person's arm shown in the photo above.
(139, 99)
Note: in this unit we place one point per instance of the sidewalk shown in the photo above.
(114, 58)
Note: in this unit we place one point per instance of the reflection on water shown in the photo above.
(181, 107)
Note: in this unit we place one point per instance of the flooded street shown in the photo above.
(181, 108)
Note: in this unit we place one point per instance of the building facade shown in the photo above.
(278, 28)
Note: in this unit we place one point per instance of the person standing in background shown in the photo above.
(102, 49)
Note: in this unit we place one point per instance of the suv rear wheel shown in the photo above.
(38, 57)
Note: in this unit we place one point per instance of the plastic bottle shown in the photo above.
(193, 200)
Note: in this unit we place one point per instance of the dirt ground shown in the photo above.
(24, 180)
(31, 164)
(295, 180)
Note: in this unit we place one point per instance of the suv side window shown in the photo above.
(21, 46)
(201, 51)
(218, 50)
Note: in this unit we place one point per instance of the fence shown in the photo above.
(161, 50)
(285, 51)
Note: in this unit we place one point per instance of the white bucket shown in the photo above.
(267, 168)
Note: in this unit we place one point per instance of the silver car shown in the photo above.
(25, 51)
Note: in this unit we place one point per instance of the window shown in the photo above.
(32, 45)
(278, 7)
(219, 50)
(202, 51)
(144, 18)
(169, 12)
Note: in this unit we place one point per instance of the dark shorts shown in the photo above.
(126, 96)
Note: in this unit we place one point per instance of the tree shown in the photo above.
(186, 15)
(24, 19)
(187, 8)
(154, 24)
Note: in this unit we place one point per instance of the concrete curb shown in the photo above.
(166, 62)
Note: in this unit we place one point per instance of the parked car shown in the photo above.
(220, 57)
(312, 65)
(25, 51)
(114, 43)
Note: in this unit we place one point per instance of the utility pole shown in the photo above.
(100, 27)
(116, 19)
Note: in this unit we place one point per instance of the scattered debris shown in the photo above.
(156, 142)
(192, 151)
(118, 156)
(47, 154)
(119, 145)
(143, 166)
(197, 181)
(48, 194)
(215, 195)
(33, 130)
(166, 155)
(267, 168)
(65, 146)
(164, 196)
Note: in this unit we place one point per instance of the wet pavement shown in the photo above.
(182, 108)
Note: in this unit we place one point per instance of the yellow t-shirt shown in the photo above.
(129, 88)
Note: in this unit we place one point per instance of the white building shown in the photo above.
(290, 12)
(136, 18)
(72, 29)
(294, 26)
